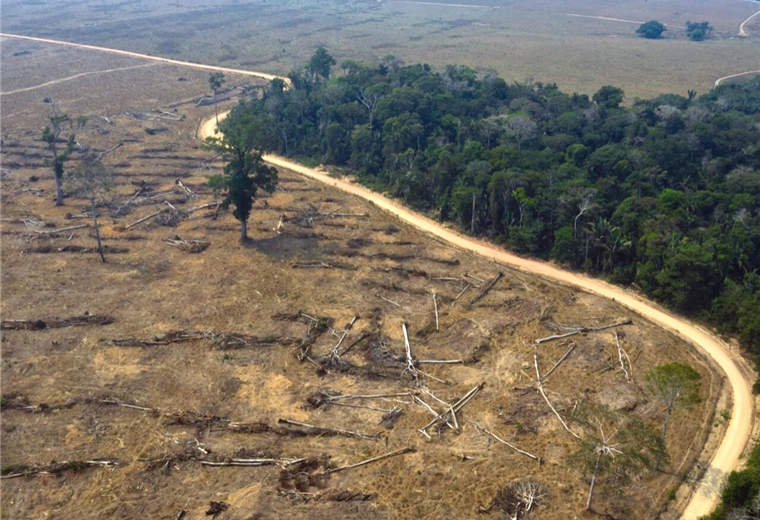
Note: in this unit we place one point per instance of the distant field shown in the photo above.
(546, 40)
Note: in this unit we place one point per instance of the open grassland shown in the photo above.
(521, 40)
(315, 252)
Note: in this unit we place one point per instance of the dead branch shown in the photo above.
(191, 246)
(582, 330)
(621, 352)
(487, 288)
(392, 302)
(254, 462)
(540, 387)
(189, 194)
(558, 363)
(133, 224)
(310, 429)
(54, 323)
(16, 471)
(105, 152)
(61, 230)
(409, 359)
(402, 451)
(442, 418)
(334, 356)
(435, 306)
(460, 294)
(518, 450)
(322, 265)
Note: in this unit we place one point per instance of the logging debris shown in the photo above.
(190, 246)
(18, 470)
(54, 322)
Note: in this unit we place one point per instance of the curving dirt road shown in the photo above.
(742, 27)
(739, 430)
(724, 78)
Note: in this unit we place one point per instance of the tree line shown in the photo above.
(662, 194)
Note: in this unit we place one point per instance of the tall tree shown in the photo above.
(320, 63)
(245, 135)
(676, 386)
(92, 181)
(215, 81)
(60, 125)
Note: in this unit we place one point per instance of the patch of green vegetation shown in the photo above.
(741, 493)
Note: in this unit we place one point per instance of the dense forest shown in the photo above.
(663, 194)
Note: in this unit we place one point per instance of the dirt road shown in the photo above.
(739, 429)
(738, 433)
(724, 78)
(743, 26)
(75, 76)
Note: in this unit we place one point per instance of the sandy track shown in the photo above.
(724, 78)
(743, 26)
(739, 430)
(75, 76)
(737, 435)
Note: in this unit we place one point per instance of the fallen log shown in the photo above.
(582, 330)
(310, 429)
(518, 450)
(54, 323)
(487, 288)
(402, 451)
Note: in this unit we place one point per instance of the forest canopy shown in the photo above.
(662, 194)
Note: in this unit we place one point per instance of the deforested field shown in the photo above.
(194, 373)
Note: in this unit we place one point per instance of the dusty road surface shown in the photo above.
(739, 430)
(743, 26)
(738, 433)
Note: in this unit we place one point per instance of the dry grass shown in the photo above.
(520, 40)
(231, 287)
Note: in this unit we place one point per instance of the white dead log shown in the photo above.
(61, 230)
(133, 224)
(518, 450)
(105, 152)
(402, 451)
(435, 306)
(582, 330)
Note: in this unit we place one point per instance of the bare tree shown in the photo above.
(584, 206)
(521, 129)
(93, 181)
(369, 98)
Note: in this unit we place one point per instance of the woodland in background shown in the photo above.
(663, 194)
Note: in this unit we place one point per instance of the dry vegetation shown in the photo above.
(519, 39)
(170, 393)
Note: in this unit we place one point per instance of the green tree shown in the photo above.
(320, 63)
(652, 30)
(246, 134)
(60, 124)
(698, 31)
(215, 81)
(92, 181)
(676, 386)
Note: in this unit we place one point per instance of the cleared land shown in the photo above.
(321, 263)
(519, 39)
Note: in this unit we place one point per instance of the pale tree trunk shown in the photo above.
(58, 191)
(243, 230)
(472, 224)
(97, 230)
(593, 482)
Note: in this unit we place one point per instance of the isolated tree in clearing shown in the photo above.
(246, 135)
(215, 81)
(698, 31)
(51, 135)
(675, 385)
(652, 30)
(93, 181)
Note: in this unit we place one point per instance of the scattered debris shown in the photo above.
(54, 323)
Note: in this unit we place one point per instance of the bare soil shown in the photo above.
(258, 290)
